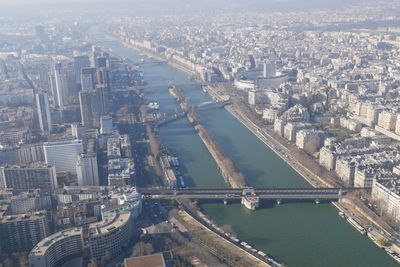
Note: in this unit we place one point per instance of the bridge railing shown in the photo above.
(257, 189)
(263, 193)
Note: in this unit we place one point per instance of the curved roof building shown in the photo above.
(57, 248)
(108, 237)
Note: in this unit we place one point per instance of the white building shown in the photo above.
(106, 125)
(42, 105)
(397, 128)
(59, 85)
(37, 176)
(22, 231)
(350, 124)
(386, 194)
(63, 155)
(253, 97)
(90, 108)
(28, 202)
(270, 114)
(87, 82)
(309, 140)
(57, 248)
(110, 236)
(269, 69)
(87, 170)
(387, 120)
(78, 131)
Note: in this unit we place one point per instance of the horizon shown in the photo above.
(157, 7)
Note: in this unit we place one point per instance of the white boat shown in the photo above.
(274, 262)
(235, 239)
(153, 105)
(371, 236)
(182, 182)
(262, 254)
(174, 161)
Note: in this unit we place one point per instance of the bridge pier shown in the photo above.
(250, 202)
(249, 198)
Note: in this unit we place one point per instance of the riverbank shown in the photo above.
(158, 57)
(234, 178)
(218, 244)
(270, 141)
(355, 209)
(333, 256)
(274, 145)
(231, 175)
(251, 126)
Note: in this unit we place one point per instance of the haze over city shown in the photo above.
(156, 7)
(199, 133)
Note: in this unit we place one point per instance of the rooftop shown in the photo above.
(22, 217)
(155, 260)
(41, 248)
(112, 221)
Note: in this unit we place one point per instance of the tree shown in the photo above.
(7, 262)
(227, 228)
(148, 249)
(22, 261)
(138, 249)
(382, 241)
(92, 263)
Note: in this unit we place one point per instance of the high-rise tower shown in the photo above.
(42, 105)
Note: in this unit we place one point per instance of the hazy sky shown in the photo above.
(148, 7)
(209, 3)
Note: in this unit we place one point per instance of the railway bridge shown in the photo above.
(249, 196)
(173, 116)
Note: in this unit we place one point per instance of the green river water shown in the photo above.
(297, 234)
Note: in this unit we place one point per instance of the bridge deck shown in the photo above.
(268, 197)
(237, 193)
(256, 189)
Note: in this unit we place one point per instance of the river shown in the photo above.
(297, 234)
